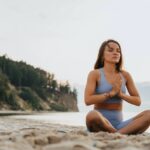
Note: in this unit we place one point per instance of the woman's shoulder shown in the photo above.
(125, 74)
(94, 73)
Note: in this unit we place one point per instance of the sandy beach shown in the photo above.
(23, 134)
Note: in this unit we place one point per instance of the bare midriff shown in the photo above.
(110, 106)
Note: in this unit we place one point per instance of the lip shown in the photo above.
(115, 57)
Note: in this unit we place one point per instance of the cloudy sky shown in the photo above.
(63, 36)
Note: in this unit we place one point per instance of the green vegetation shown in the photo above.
(59, 107)
(32, 85)
(31, 97)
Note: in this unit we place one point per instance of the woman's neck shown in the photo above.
(110, 68)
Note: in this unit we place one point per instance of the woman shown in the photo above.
(106, 87)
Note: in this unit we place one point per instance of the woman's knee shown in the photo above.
(92, 115)
(147, 115)
(93, 121)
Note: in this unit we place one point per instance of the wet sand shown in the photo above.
(23, 134)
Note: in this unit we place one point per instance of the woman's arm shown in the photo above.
(89, 95)
(134, 97)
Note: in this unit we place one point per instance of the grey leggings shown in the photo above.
(115, 117)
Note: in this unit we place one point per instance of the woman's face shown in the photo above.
(112, 53)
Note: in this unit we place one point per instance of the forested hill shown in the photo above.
(23, 87)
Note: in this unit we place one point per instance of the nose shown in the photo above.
(116, 52)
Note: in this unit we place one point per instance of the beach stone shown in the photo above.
(5, 133)
(115, 144)
(30, 140)
(28, 133)
(84, 133)
(41, 140)
(146, 143)
(54, 139)
(9, 145)
(99, 144)
(129, 148)
(69, 146)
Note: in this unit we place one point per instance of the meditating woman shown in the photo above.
(106, 90)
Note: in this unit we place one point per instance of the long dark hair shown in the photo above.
(100, 62)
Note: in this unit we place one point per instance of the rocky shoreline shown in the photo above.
(21, 134)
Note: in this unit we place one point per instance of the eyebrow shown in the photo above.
(111, 47)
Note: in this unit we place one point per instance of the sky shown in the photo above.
(63, 36)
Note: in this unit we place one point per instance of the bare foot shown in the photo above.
(106, 125)
(103, 125)
(109, 127)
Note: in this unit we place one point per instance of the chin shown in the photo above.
(115, 62)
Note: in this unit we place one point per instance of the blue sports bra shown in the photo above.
(104, 86)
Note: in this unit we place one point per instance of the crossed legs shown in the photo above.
(140, 123)
(95, 122)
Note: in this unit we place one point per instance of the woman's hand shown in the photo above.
(116, 89)
(120, 94)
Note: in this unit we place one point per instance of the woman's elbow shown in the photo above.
(87, 101)
(138, 103)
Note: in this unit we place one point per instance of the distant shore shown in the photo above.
(11, 112)
(16, 134)
(18, 112)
